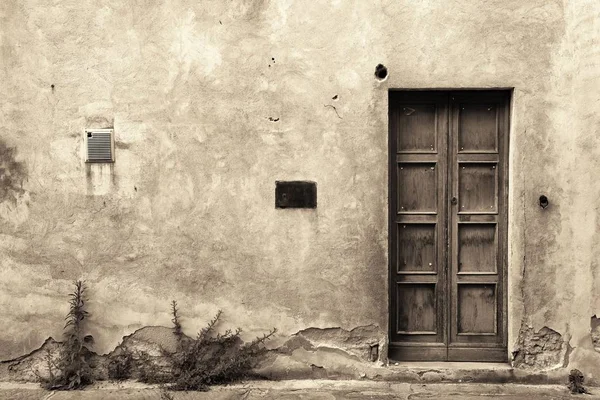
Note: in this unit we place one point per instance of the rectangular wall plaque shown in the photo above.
(296, 194)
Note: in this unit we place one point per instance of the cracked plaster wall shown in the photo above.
(213, 101)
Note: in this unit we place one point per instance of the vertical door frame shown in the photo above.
(506, 95)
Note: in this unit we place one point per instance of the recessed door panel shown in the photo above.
(476, 309)
(416, 248)
(417, 314)
(417, 188)
(478, 128)
(417, 128)
(477, 248)
(477, 187)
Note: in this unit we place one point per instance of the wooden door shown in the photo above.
(448, 225)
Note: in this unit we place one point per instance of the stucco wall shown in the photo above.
(213, 101)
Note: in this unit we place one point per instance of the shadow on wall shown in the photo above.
(12, 174)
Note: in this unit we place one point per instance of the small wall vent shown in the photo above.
(99, 144)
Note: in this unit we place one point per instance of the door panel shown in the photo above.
(417, 315)
(478, 129)
(477, 224)
(477, 187)
(448, 225)
(477, 248)
(417, 188)
(416, 248)
(419, 126)
(476, 309)
(417, 123)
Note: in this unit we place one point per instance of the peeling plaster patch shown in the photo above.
(151, 339)
(318, 372)
(147, 345)
(26, 368)
(544, 349)
(294, 343)
(357, 342)
(332, 353)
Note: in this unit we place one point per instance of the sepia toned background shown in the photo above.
(213, 101)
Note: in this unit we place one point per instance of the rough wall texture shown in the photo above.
(212, 101)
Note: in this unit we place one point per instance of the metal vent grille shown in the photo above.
(99, 145)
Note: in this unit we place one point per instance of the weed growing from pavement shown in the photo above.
(211, 358)
(576, 382)
(120, 365)
(71, 369)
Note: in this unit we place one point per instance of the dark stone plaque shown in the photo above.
(295, 194)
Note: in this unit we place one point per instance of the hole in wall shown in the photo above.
(381, 72)
(374, 352)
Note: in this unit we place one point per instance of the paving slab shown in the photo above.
(304, 389)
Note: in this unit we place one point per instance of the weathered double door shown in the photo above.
(448, 222)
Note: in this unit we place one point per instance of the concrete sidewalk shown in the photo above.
(304, 389)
